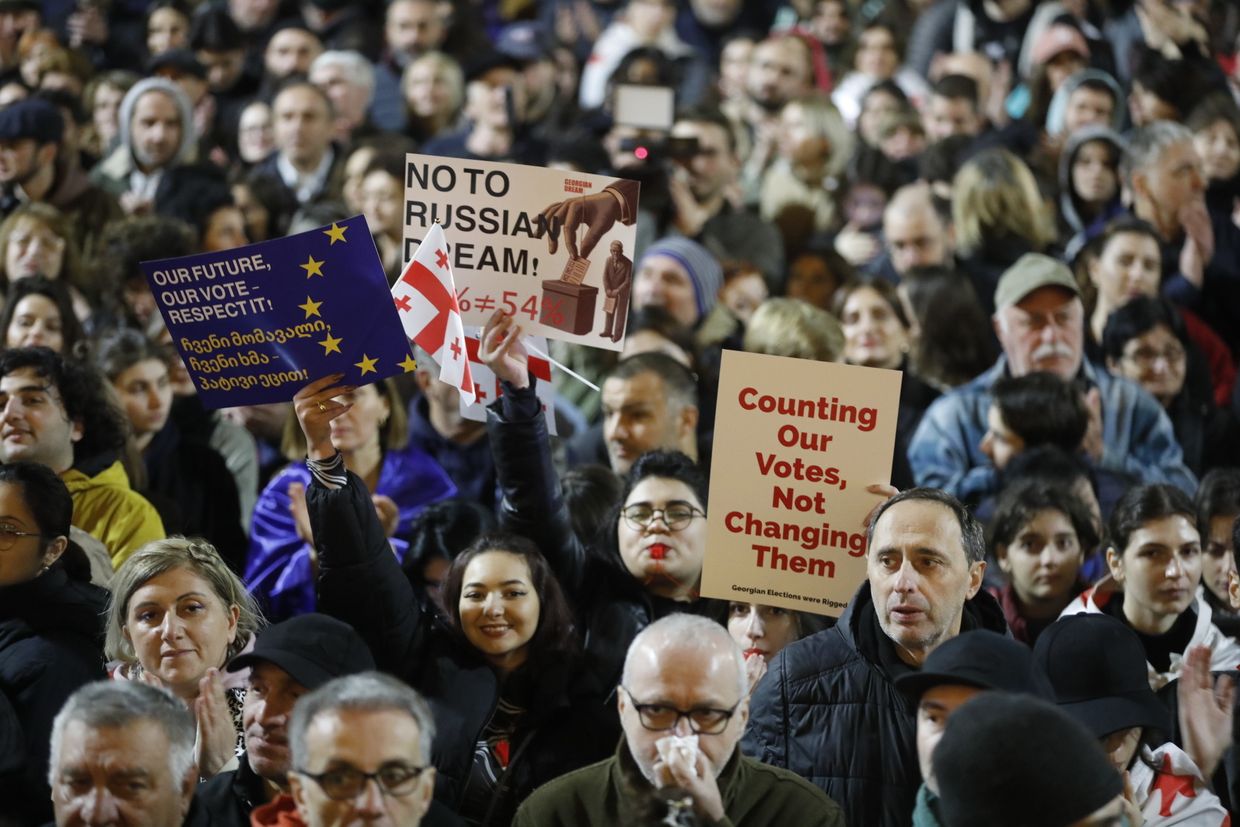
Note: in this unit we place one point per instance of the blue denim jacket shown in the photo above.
(1139, 441)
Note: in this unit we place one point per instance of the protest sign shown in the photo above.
(551, 247)
(487, 387)
(801, 440)
(256, 323)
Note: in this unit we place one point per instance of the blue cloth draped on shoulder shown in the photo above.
(278, 570)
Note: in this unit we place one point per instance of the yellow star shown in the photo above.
(312, 267)
(409, 365)
(311, 307)
(331, 344)
(367, 365)
(336, 233)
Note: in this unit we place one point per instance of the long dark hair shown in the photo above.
(58, 294)
(554, 634)
(1144, 504)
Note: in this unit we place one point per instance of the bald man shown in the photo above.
(683, 702)
(915, 233)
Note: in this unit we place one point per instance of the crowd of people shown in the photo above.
(361, 606)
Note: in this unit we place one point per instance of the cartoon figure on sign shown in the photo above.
(617, 276)
(567, 303)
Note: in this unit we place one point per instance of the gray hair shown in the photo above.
(365, 691)
(693, 632)
(973, 538)
(114, 704)
(1148, 144)
(356, 67)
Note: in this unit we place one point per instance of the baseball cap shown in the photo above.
(1030, 272)
(312, 648)
(31, 118)
(980, 658)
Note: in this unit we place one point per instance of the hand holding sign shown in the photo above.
(501, 350)
(598, 211)
(316, 407)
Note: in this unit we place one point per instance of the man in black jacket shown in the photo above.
(288, 660)
(828, 708)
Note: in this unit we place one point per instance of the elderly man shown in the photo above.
(683, 705)
(305, 162)
(361, 752)
(156, 132)
(1201, 249)
(348, 80)
(1039, 320)
(122, 753)
(289, 659)
(828, 708)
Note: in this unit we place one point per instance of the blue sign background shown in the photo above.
(256, 323)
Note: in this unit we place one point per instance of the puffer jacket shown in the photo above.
(567, 720)
(610, 605)
(828, 710)
(51, 643)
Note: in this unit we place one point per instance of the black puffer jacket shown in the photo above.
(51, 643)
(567, 722)
(611, 606)
(829, 711)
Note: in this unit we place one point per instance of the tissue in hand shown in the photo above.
(679, 753)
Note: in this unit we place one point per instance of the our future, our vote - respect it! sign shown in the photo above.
(798, 442)
(256, 323)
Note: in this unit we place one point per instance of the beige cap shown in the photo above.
(1031, 271)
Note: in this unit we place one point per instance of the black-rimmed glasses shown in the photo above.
(703, 720)
(676, 515)
(345, 783)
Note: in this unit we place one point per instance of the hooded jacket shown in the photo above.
(1069, 204)
(1057, 113)
(112, 173)
(1225, 651)
(828, 710)
(51, 643)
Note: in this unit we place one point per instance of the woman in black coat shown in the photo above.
(514, 706)
(51, 626)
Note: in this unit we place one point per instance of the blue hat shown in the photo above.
(31, 118)
(703, 268)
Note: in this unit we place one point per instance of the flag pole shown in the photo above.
(567, 370)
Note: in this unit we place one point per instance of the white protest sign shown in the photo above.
(553, 248)
(800, 440)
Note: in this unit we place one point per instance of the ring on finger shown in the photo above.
(322, 407)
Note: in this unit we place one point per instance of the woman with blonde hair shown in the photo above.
(177, 615)
(791, 327)
(433, 87)
(998, 215)
(812, 151)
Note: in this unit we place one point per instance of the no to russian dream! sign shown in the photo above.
(787, 496)
(553, 248)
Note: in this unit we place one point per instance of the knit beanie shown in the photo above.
(1019, 761)
(703, 268)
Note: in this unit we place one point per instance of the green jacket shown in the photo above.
(611, 793)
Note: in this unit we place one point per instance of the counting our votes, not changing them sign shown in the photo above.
(256, 323)
(787, 496)
(553, 248)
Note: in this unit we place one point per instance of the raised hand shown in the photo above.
(316, 406)
(501, 350)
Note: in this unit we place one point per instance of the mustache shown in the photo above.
(1054, 350)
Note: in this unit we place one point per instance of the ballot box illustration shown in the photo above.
(567, 306)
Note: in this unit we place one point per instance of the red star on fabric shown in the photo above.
(1171, 785)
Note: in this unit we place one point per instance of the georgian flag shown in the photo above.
(425, 297)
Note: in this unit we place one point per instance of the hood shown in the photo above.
(1058, 109)
(53, 603)
(1067, 198)
(186, 151)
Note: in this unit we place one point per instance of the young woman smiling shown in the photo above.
(514, 704)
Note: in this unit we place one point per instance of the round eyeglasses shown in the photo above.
(676, 515)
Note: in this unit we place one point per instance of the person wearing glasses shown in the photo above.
(1146, 341)
(516, 704)
(683, 702)
(51, 629)
(649, 566)
(361, 748)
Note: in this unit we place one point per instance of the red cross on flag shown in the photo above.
(425, 298)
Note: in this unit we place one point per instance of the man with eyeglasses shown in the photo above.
(683, 705)
(1039, 320)
(361, 750)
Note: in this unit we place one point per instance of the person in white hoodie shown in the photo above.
(1155, 564)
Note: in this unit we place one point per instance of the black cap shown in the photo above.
(1098, 669)
(481, 62)
(180, 61)
(981, 658)
(31, 118)
(1020, 762)
(312, 648)
(525, 41)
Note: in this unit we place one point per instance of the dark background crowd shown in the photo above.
(1030, 208)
